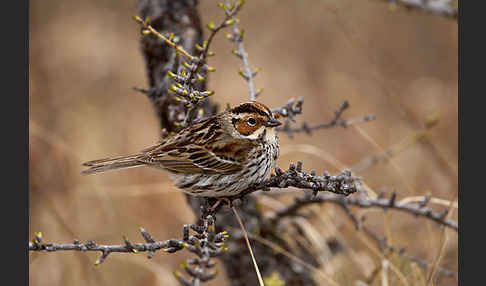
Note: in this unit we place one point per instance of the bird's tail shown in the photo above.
(102, 165)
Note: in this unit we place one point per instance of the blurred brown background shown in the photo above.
(85, 59)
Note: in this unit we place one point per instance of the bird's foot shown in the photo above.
(218, 202)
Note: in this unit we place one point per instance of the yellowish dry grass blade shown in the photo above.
(245, 234)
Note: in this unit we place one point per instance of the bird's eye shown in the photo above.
(251, 121)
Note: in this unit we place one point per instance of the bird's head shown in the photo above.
(253, 120)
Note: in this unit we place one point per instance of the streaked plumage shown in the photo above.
(217, 157)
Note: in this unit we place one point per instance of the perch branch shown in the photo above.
(342, 184)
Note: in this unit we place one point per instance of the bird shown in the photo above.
(217, 157)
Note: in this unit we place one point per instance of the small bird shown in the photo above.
(220, 156)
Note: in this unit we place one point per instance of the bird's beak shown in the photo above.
(273, 123)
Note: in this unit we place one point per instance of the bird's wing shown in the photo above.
(202, 150)
(219, 157)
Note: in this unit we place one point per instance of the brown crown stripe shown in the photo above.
(252, 107)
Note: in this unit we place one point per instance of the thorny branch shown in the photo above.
(205, 243)
(342, 184)
(290, 110)
(170, 245)
(417, 209)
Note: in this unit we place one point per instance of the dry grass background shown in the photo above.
(85, 59)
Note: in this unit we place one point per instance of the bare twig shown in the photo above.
(170, 245)
(290, 111)
(167, 40)
(205, 243)
(237, 37)
(364, 202)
